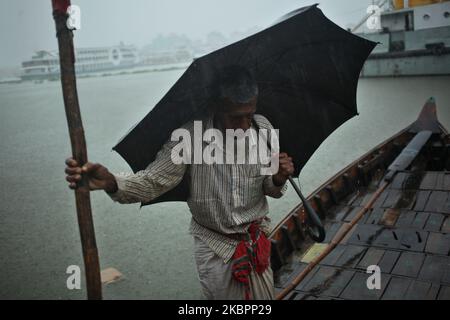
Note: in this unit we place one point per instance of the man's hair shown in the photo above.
(236, 83)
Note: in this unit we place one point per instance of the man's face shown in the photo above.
(236, 115)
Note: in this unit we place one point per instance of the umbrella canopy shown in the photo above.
(307, 69)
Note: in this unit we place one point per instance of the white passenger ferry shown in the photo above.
(45, 64)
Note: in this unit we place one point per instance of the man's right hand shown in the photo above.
(99, 177)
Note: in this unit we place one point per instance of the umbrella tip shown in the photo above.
(432, 100)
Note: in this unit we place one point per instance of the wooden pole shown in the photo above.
(79, 153)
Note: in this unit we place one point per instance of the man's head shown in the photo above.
(237, 93)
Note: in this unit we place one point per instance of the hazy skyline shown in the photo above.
(27, 25)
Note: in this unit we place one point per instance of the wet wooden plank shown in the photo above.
(390, 217)
(300, 295)
(372, 256)
(405, 219)
(301, 285)
(438, 243)
(421, 200)
(289, 276)
(328, 281)
(357, 288)
(443, 181)
(396, 288)
(434, 222)
(420, 290)
(331, 231)
(373, 217)
(309, 297)
(392, 198)
(341, 232)
(333, 256)
(429, 181)
(446, 225)
(436, 269)
(437, 202)
(378, 202)
(389, 238)
(385, 259)
(444, 293)
(399, 180)
(409, 264)
(351, 256)
(439, 181)
(419, 220)
(446, 208)
(410, 239)
(327, 298)
(296, 295)
(365, 234)
(412, 247)
(446, 181)
(388, 260)
(407, 199)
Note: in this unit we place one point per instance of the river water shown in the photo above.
(151, 246)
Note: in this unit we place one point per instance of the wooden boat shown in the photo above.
(405, 232)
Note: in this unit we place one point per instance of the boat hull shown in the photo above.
(405, 232)
(403, 64)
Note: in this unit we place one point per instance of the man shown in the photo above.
(227, 201)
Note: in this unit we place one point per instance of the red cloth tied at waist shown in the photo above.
(251, 254)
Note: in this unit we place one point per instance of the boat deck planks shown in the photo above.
(406, 234)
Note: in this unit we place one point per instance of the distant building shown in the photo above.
(45, 64)
(160, 57)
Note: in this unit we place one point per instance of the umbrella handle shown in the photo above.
(315, 226)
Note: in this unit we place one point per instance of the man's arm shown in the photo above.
(273, 190)
(275, 185)
(159, 177)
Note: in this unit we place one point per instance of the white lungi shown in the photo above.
(217, 280)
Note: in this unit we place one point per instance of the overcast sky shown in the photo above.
(27, 25)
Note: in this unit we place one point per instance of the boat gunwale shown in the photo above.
(293, 211)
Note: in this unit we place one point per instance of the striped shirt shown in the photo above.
(224, 198)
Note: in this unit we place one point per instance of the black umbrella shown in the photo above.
(307, 69)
